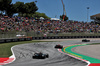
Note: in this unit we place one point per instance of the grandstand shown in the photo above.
(96, 18)
(10, 27)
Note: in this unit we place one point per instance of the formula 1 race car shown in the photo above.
(40, 56)
(85, 40)
(59, 46)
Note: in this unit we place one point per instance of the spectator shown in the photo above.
(42, 26)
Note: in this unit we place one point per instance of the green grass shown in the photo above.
(94, 44)
(69, 51)
(5, 48)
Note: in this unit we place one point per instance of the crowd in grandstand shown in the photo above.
(45, 25)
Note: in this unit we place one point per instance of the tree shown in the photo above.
(20, 7)
(1, 5)
(4, 4)
(63, 17)
(11, 10)
(31, 7)
(27, 9)
(38, 15)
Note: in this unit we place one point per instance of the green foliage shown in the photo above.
(4, 4)
(38, 15)
(26, 10)
(35, 15)
(5, 48)
(11, 10)
(65, 18)
(31, 7)
(1, 5)
(18, 7)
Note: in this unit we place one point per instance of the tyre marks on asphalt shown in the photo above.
(24, 54)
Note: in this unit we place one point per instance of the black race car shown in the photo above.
(85, 40)
(59, 46)
(40, 56)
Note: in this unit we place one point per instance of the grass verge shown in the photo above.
(5, 48)
(94, 44)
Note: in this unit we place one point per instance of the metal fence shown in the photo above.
(6, 35)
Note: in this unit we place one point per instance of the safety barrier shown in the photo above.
(64, 37)
(14, 40)
(48, 37)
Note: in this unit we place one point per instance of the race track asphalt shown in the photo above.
(25, 52)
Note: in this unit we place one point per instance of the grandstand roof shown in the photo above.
(97, 15)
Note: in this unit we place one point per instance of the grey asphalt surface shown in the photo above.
(90, 50)
(25, 52)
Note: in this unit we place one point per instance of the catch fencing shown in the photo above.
(27, 36)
